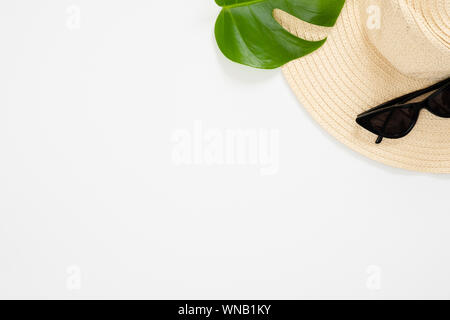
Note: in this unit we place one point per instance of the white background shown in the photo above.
(93, 205)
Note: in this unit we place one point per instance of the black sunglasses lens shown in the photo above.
(440, 102)
(390, 123)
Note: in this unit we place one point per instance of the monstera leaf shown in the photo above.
(247, 32)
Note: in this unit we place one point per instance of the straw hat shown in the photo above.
(378, 50)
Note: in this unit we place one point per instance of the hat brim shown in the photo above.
(348, 76)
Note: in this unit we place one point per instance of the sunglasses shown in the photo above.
(396, 118)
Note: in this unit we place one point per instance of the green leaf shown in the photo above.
(247, 33)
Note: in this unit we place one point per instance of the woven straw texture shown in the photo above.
(354, 72)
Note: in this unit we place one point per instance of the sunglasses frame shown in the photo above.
(400, 103)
